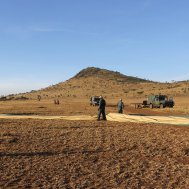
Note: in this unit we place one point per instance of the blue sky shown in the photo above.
(43, 42)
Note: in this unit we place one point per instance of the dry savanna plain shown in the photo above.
(78, 154)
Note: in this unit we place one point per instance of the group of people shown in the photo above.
(102, 105)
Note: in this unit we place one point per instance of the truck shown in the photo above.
(158, 101)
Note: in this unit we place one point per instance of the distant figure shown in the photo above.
(39, 97)
(56, 102)
(120, 106)
(101, 109)
(91, 101)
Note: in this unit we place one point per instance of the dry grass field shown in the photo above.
(90, 154)
(78, 106)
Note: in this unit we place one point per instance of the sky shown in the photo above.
(44, 42)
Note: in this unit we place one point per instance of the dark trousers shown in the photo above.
(101, 111)
(120, 111)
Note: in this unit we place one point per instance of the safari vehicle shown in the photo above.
(158, 101)
(94, 100)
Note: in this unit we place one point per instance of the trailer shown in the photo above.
(137, 105)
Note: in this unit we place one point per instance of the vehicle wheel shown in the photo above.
(161, 106)
(151, 106)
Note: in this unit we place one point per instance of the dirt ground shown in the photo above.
(91, 154)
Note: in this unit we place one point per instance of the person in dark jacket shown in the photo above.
(101, 109)
(120, 106)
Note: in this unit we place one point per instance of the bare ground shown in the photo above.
(80, 107)
(90, 154)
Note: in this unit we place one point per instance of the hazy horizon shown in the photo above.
(23, 85)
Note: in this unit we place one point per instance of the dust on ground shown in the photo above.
(91, 154)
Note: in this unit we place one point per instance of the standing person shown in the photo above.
(91, 100)
(101, 109)
(120, 106)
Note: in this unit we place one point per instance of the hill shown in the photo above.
(111, 84)
(107, 74)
